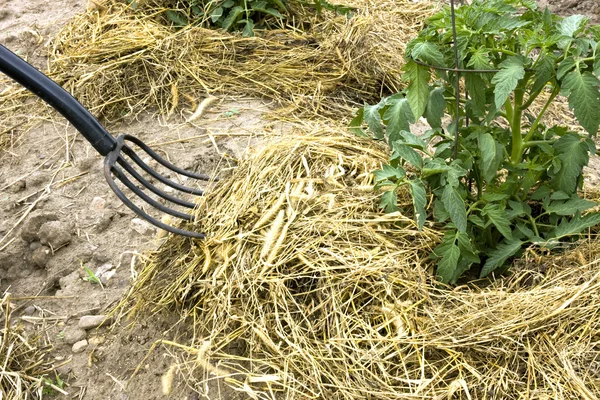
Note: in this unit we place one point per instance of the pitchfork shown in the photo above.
(114, 150)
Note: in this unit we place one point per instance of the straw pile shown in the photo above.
(23, 361)
(304, 290)
(120, 61)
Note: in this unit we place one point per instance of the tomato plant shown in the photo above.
(499, 178)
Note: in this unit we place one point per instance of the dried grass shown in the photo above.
(119, 61)
(304, 290)
(23, 360)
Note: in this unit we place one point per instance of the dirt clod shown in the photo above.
(40, 256)
(74, 334)
(55, 233)
(31, 227)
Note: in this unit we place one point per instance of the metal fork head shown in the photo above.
(117, 166)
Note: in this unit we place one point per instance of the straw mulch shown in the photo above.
(25, 370)
(305, 291)
(119, 61)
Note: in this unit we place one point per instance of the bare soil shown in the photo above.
(59, 217)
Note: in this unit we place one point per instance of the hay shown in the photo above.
(24, 363)
(304, 290)
(119, 61)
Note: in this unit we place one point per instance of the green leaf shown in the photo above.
(506, 80)
(356, 123)
(496, 215)
(576, 225)
(435, 108)
(498, 256)
(398, 116)
(467, 250)
(476, 86)
(177, 18)
(230, 3)
(248, 29)
(480, 59)
(389, 201)
(412, 140)
(570, 25)
(584, 99)
(373, 119)
(573, 155)
(487, 149)
(448, 264)
(407, 153)
(570, 207)
(419, 196)
(232, 17)
(429, 53)
(565, 66)
(417, 91)
(388, 172)
(455, 205)
(543, 73)
(560, 195)
(216, 14)
(597, 60)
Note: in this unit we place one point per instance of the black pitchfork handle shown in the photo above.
(57, 97)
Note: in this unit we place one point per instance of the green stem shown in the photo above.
(509, 110)
(530, 100)
(515, 125)
(537, 121)
(532, 143)
(504, 51)
(534, 226)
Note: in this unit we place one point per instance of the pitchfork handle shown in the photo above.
(57, 97)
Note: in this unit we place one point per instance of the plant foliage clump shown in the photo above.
(239, 15)
(500, 178)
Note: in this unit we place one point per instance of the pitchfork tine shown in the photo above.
(113, 149)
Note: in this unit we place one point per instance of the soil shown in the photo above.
(59, 221)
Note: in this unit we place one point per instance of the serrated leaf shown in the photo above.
(570, 207)
(570, 25)
(447, 265)
(355, 125)
(230, 3)
(597, 60)
(573, 155)
(498, 256)
(506, 80)
(560, 195)
(543, 73)
(412, 140)
(417, 92)
(496, 215)
(467, 250)
(565, 66)
(487, 149)
(455, 205)
(407, 153)
(436, 104)
(541, 192)
(476, 87)
(584, 99)
(576, 225)
(248, 29)
(419, 196)
(493, 197)
(373, 119)
(388, 172)
(232, 17)
(398, 116)
(427, 52)
(389, 201)
(479, 59)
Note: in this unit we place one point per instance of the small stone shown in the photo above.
(142, 227)
(80, 346)
(29, 310)
(88, 322)
(88, 311)
(107, 276)
(34, 246)
(98, 204)
(40, 256)
(31, 227)
(74, 334)
(55, 233)
(96, 341)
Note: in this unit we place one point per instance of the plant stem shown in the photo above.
(508, 52)
(515, 124)
(541, 114)
(534, 226)
(457, 83)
